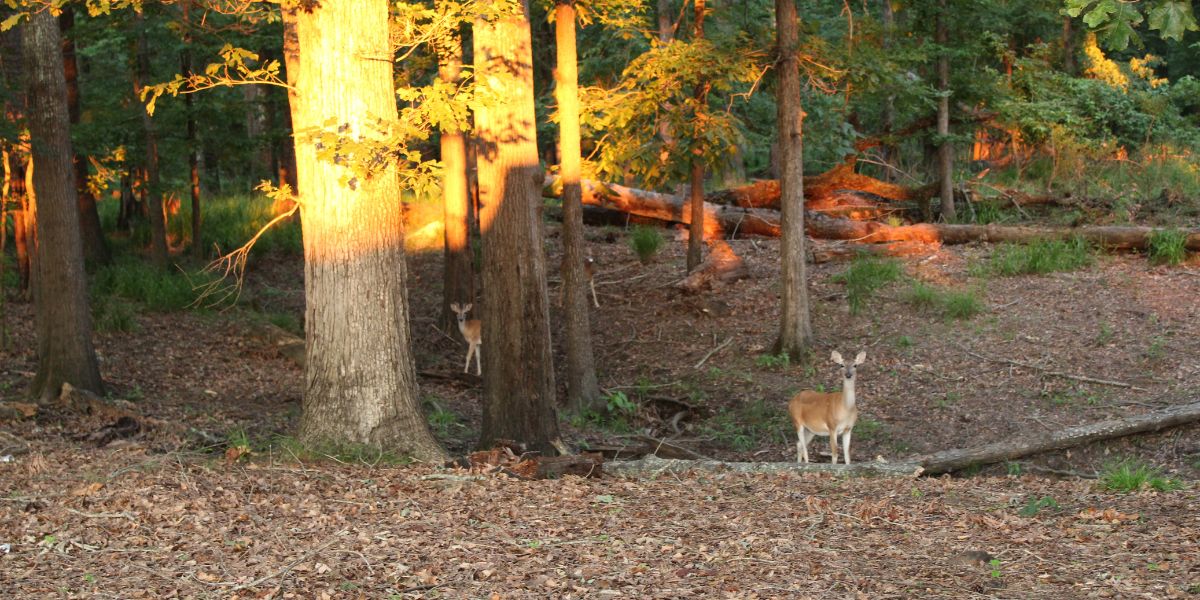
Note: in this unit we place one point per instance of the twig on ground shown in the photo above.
(1054, 373)
(714, 351)
(288, 567)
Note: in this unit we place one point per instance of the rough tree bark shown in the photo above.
(795, 326)
(888, 149)
(666, 27)
(518, 371)
(458, 276)
(945, 149)
(95, 248)
(360, 380)
(583, 391)
(63, 321)
(695, 249)
(154, 201)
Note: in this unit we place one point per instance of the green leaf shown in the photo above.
(1172, 18)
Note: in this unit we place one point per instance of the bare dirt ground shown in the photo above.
(161, 514)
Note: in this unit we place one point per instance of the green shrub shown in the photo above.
(1167, 246)
(114, 314)
(923, 296)
(865, 276)
(646, 242)
(1041, 257)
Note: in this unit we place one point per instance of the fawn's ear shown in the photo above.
(467, 307)
(454, 307)
(862, 356)
(836, 357)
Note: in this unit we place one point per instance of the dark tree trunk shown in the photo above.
(154, 203)
(518, 377)
(583, 392)
(291, 64)
(64, 325)
(888, 150)
(795, 326)
(695, 251)
(193, 146)
(458, 277)
(946, 149)
(1068, 46)
(95, 248)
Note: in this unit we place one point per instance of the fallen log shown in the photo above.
(838, 187)
(1110, 237)
(653, 466)
(718, 220)
(961, 458)
(828, 253)
(721, 266)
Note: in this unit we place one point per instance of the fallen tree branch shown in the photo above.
(961, 458)
(713, 351)
(1082, 378)
(653, 466)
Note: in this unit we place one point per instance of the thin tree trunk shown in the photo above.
(360, 380)
(888, 149)
(1068, 46)
(695, 251)
(29, 229)
(64, 326)
(458, 277)
(16, 190)
(95, 248)
(795, 326)
(946, 149)
(666, 28)
(193, 147)
(291, 63)
(154, 203)
(518, 377)
(583, 392)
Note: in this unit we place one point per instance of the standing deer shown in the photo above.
(831, 414)
(589, 271)
(472, 331)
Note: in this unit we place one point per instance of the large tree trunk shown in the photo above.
(95, 248)
(154, 203)
(945, 149)
(64, 325)
(518, 378)
(360, 381)
(695, 249)
(583, 392)
(795, 327)
(193, 146)
(291, 65)
(961, 458)
(458, 276)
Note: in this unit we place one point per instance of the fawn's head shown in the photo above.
(848, 366)
(461, 311)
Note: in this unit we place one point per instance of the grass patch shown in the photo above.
(962, 304)
(616, 415)
(441, 420)
(646, 241)
(865, 276)
(1036, 505)
(133, 279)
(1132, 476)
(773, 361)
(114, 315)
(951, 304)
(1167, 247)
(1041, 257)
(230, 221)
(750, 426)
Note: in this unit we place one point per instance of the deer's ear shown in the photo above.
(836, 357)
(862, 356)
(467, 307)
(454, 306)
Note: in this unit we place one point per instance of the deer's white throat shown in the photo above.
(848, 392)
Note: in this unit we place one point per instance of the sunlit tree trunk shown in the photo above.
(583, 392)
(795, 327)
(95, 249)
(458, 277)
(695, 251)
(946, 149)
(666, 28)
(63, 321)
(154, 203)
(518, 368)
(360, 380)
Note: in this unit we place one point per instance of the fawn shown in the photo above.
(472, 331)
(831, 414)
(589, 271)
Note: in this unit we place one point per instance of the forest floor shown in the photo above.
(163, 512)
